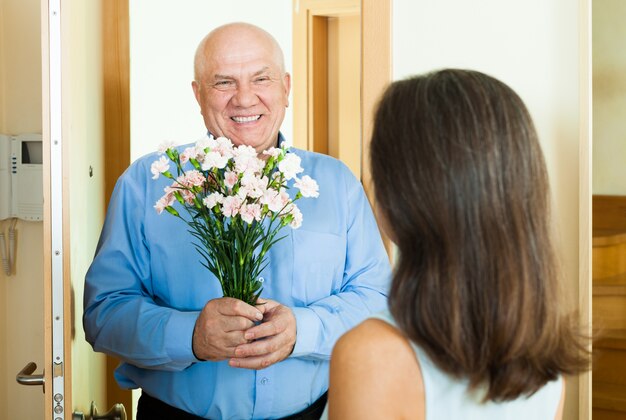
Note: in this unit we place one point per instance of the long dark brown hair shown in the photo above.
(461, 180)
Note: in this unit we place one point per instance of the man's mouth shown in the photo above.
(247, 119)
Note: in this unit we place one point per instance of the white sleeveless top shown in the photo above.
(449, 398)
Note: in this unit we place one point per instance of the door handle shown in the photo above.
(26, 377)
(117, 412)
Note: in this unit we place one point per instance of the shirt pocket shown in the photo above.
(319, 261)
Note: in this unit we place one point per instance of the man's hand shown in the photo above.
(274, 339)
(221, 326)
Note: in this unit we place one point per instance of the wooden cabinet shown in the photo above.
(609, 307)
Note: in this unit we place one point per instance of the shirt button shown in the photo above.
(264, 381)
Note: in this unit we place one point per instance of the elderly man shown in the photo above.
(151, 303)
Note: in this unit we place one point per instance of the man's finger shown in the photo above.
(236, 307)
(236, 323)
(233, 340)
(260, 347)
(266, 329)
(258, 362)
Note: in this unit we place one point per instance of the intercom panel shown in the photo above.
(21, 177)
(27, 177)
(5, 177)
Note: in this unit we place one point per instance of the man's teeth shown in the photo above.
(246, 119)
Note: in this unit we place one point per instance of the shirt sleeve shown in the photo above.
(120, 316)
(364, 286)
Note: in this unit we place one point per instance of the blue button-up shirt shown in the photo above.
(146, 288)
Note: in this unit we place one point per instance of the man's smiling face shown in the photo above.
(242, 88)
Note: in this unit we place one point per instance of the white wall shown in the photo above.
(21, 295)
(163, 39)
(609, 97)
(533, 47)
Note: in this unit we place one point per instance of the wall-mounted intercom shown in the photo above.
(21, 177)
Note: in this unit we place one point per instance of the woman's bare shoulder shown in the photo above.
(374, 371)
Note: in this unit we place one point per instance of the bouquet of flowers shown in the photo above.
(235, 203)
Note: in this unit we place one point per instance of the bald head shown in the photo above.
(224, 37)
(241, 85)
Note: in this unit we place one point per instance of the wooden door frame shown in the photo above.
(56, 265)
(60, 311)
(116, 80)
(376, 71)
(585, 197)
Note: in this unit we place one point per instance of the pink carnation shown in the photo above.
(188, 153)
(224, 147)
(230, 179)
(296, 222)
(308, 186)
(290, 166)
(165, 201)
(253, 186)
(213, 199)
(193, 179)
(275, 200)
(272, 151)
(231, 206)
(214, 159)
(163, 147)
(204, 142)
(159, 166)
(246, 159)
(250, 212)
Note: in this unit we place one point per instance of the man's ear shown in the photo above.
(287, 85)
(196, 90)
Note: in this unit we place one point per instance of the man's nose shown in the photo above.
(245, 96)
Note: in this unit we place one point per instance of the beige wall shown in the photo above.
(83, 132)
(3, 288)
(21, 310)
(2, 61)
(533, 47)
(609, 97)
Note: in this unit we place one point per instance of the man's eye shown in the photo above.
(262, 79)
(224, 84)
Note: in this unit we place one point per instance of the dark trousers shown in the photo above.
(150, 408)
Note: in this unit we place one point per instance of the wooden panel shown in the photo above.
(375, 70)
(611, 339)
(344, 90)
(609, 212)
(609, 312)
(599, 414)
(376, 75)
(609, 397)
(304, 12)
(318, 85)
(609, 366)
(116, 73)
(609, 263)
